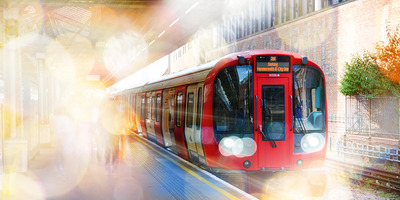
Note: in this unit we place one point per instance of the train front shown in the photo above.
(268, 114)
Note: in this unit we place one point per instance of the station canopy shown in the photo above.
(122, 36)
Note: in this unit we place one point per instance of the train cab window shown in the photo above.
(273, 112)
(158, 107)
(190, 108)
(233, 102)
(309, 100)
(179, 109)
(199, 103)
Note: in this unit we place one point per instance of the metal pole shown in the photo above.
(345, 114)
(370, 119)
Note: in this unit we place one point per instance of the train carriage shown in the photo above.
(260, 110)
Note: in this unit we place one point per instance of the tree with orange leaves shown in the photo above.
(387, 56)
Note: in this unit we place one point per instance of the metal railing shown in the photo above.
(371, 151)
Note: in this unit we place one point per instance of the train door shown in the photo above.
(133, 113)
(273, 118)
(157, 121)
(194, 107)
(199, 119)
(168, 121)
(179, 122)
(138, 99)
(191, 102)
(143, 114)
(150, 116)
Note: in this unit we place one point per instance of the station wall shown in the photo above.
(329, 37)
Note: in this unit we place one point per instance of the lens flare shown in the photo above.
(59, 61)
(123, 51)
(286, 185)
(24, 187)
(113, 116)
(207, 44)
(80, 51)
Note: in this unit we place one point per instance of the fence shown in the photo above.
(376, 117)
(371, 151)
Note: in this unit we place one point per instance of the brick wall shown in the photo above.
(328, 37)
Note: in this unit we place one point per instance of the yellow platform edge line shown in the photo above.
(225, 193)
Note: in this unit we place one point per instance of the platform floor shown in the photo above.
(142, 170)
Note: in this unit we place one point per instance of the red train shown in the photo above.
(260, 110)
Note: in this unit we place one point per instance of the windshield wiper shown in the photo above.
(273, 143)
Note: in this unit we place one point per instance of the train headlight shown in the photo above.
(239, 147)
(312, 142)
(228, 142)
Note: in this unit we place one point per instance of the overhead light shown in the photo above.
(174, 22)
(191, 8)
(151, 42)
(162, 33)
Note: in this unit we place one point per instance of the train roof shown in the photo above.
(184, 77)
(193, 74)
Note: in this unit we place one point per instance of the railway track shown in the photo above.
(382, 179)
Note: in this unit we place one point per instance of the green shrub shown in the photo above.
(362, 77)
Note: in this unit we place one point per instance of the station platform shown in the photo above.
(141, 171)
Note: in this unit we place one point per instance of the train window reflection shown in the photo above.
(158, 107)
(199, 103)
(179, 109)
(190, 108)
(143, 107)
(309, 99)
(152, 108)
(232, 102)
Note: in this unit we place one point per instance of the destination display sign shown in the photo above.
(273, 64)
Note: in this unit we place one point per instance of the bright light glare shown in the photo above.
(22, 187)
(239, 147)
(229, 142)
(286, 185)
(122, 52)
(312, 142)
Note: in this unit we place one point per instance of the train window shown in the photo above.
(133, 106)
(158, 107)
(199, 103)
(152, 108)
(190, 108)
(148, 116)
(171, 113)
(143, 107)
(179, 109)
(309, 100)
(233, 102)
(273, 112)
